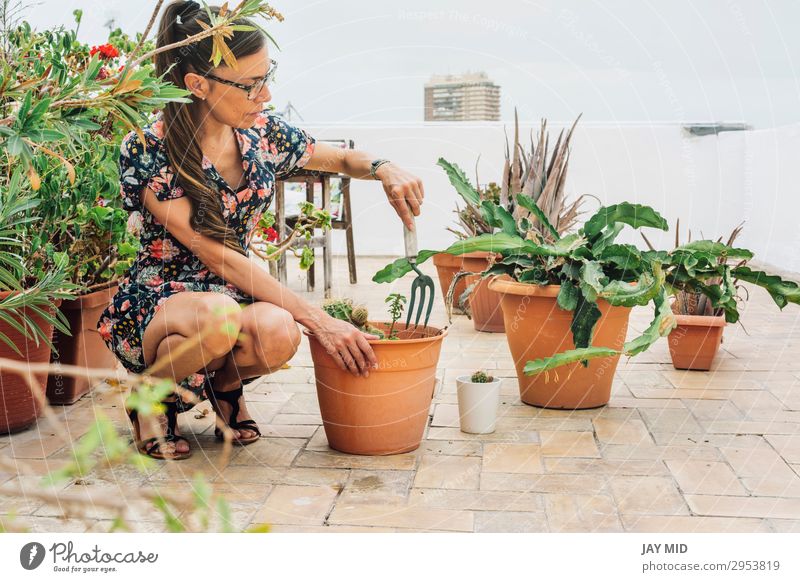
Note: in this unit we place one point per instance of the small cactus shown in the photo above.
(339, 308)
(481, 377)
(359, 316)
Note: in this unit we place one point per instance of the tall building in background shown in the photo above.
(470, 97)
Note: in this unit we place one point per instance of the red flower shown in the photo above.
(107, 51)
(271, 234)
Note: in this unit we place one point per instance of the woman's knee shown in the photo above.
(219, 319)
(275, 331)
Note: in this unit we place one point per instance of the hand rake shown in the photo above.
(422, 285)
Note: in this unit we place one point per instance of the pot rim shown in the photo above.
(508, 285)
(430, 339)
(701, 320)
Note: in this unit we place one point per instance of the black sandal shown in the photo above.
(232, 398)
(152, 447)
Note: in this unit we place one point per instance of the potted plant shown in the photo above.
(385, 413)
(31, 287)
(695, 341)
(703, 277)
(540, 174)
(478, 399)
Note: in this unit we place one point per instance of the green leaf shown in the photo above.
(460, 182)
(568, 296)
(662, 324)
(534, 367)
(634, 215)
(529, 203)
(607, 237)
(497, 243)
(584, 320)
(591, 280)
(716, 249)
(624, 255)
(499, 217)
(782, 292)
(627, 294)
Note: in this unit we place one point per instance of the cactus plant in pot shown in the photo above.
(385, 413)
(478, 398)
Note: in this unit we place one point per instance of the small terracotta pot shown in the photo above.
(447, 266)
(18, 408)
(694, 343)
(84, 348)
(386, 413)
(484, 303)
(536, 327)
(487, 315)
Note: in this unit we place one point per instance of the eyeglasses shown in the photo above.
(253, 89)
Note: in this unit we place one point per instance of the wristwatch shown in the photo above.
(373, 167)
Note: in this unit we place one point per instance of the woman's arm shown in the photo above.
(404, 190)
(343, 341)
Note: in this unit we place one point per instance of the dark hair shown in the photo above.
(180, 120)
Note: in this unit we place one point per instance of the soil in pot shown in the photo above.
(537, 328)
(84, 348)
(694, 343)
(386, 413)
(18, 408)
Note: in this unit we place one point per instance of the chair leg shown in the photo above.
(310, 274)
(327, 261)
(347, 216)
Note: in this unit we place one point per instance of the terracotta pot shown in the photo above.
(18, 408)
(694, 343)
(84, 348)
(447, 266)
(537, 328)
(386, 413)
(487, 315)
(484, 303)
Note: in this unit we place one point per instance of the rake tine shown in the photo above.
(423, 290)
(430, 303)
(410, 309)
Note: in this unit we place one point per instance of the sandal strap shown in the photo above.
(247, 425)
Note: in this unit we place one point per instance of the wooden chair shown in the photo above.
(343, 222)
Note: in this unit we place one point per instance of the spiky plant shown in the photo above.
(481, 377)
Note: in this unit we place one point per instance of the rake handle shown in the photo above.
(410, 241)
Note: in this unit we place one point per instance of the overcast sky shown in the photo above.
(638, 61)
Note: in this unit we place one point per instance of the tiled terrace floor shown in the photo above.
(674, 451)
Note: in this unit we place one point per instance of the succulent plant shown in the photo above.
(358, 316)
(481, 377)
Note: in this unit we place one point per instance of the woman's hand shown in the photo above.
(404, 190)
(347, 345)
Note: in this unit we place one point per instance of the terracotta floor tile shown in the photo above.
(512, 458)
(448, 472)
(582, 513)
(647, 496)
(568, 444)
(295, 504)
(706, 478)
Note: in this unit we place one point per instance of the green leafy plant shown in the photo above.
(589, 265)
(481, 377)
(396, 303)
(309, 219)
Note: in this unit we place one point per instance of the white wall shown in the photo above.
(712, 183)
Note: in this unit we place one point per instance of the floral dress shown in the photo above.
(270, 149)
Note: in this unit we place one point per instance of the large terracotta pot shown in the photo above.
(536, 327)
(18, 408)
(447, 266)
(386, 413)
(85, 348)
(694, 343)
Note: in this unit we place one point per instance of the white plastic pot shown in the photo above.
(477, 404)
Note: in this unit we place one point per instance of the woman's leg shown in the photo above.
(269, 339)
(180, 318)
